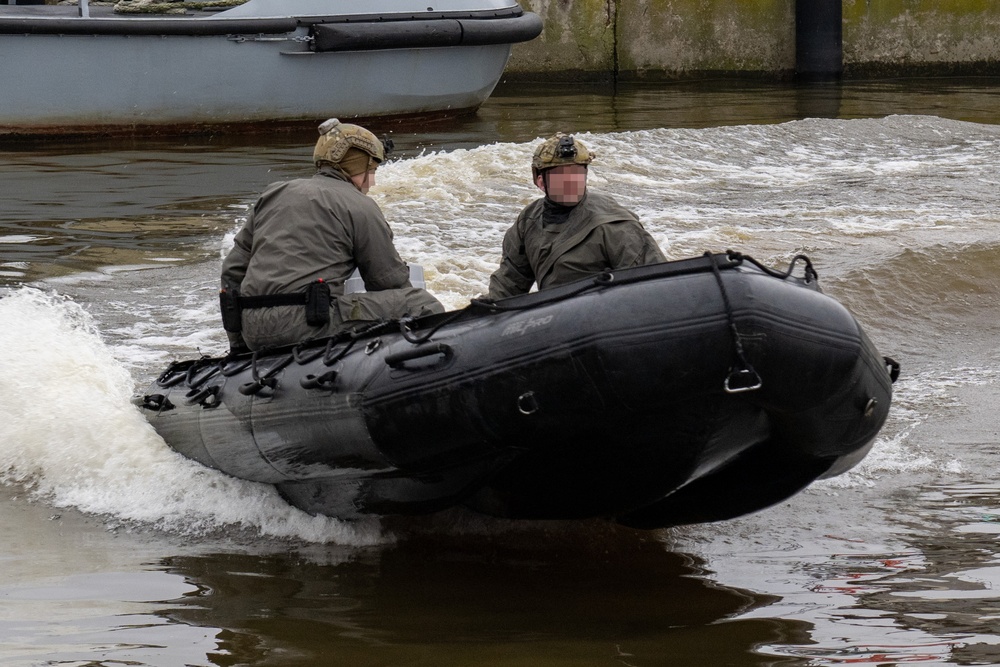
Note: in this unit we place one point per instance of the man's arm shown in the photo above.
(379, 263)
(514, 275)
(628, 244)
(234, 266)
(234, 269)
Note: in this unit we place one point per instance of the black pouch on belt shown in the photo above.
(229, 304)
(317, 304)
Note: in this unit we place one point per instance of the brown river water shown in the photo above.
(115, 551)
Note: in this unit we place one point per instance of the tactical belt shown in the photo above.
(315, 298)
(271, 300)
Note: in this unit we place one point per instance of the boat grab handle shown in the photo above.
(397, 359)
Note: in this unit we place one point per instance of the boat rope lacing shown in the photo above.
(195, 378)
(606, 277)
(742, 376)
(267, 379)
(406, 327)
(196, 373)
(891, 365)
(406, 324)
(809, 271)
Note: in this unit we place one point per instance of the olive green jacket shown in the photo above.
(314, 228)
(311, 228)
(599, 234)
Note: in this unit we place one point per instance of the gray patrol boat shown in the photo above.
(86, 69)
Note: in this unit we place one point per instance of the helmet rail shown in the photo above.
(337, 138)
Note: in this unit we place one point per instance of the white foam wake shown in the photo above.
(70, 435)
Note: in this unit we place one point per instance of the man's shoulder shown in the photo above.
(532, 206)
(328, 181)
(608, 208)
(300, 184)
(599, 198)
(339, 190)
(532, 211)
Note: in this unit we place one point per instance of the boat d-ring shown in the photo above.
(742, 379)
(527, 404)
(373, 345)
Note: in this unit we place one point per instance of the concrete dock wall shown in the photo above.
(939, 36)
(668, 39)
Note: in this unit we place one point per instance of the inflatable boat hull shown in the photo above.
(684, 392)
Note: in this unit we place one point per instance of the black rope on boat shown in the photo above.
(228, 371)
(301, 359)
(191, 380)
(330, 359)
(207, 397)
(373, 329)
(810, 272)
(173, 374)
(742, 377)
(604, 278)
(267, 380)
(406, 327)
(607, 278)
(405, 324)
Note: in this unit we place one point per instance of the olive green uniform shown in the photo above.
(598, 234)
(307, 229)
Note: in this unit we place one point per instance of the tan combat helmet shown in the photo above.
(337, 138)
(558, 150)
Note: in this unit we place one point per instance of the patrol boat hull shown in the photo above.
(264, 61)
(683, 392)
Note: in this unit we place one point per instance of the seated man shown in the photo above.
(571, 232)
(283, 281)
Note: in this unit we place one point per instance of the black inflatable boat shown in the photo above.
(683, 392)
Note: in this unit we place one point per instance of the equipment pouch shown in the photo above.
(318, 304)
(232, 314)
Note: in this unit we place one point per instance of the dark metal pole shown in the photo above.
(819, 39)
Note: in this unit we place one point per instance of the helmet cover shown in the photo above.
(337, 138)
(558, 150)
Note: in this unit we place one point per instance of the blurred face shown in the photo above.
(565, 184)
(364, 181)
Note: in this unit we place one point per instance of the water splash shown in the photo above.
(70, 435)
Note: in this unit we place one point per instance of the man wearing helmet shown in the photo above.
(283, 281)
(571, 232)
